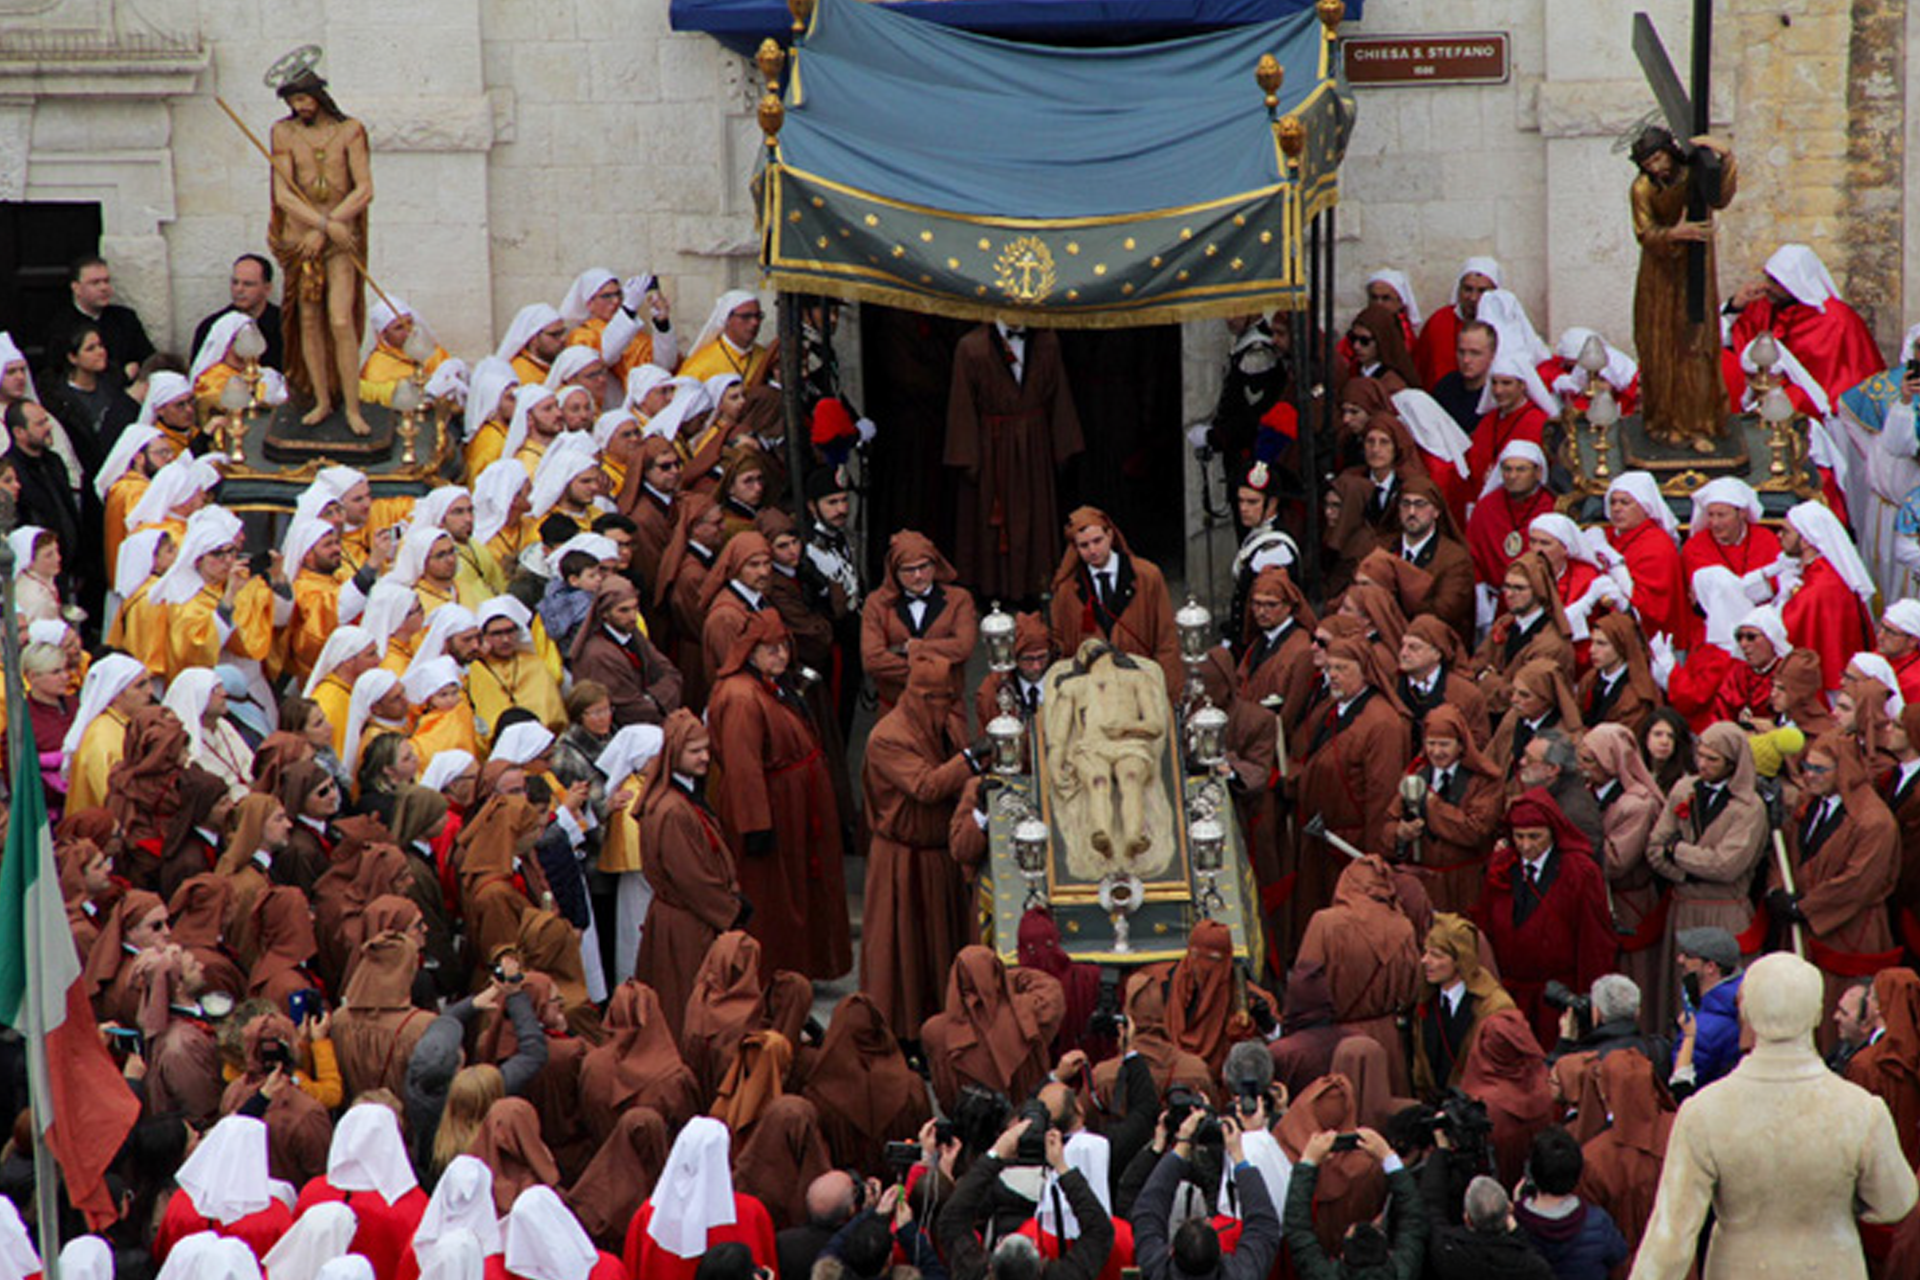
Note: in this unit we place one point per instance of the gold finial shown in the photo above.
(1332, 14)
(1269, 74)
(1293, 136)
(772, 60)
(772, 116)
(802, 11)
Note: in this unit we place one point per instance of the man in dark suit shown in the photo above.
(1428, 542)
(91, 281)
(250, 288)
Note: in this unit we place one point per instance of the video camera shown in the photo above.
(1560, 996)
(1183, 1102)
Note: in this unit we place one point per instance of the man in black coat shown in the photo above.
(127, 344)
(1486, 1244)
(46, 498)
(250, 291)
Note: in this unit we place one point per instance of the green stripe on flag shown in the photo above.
(33, 919)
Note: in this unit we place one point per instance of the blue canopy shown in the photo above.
(742, 24)
(927, 166)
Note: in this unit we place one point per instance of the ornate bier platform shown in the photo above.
(1056, 837)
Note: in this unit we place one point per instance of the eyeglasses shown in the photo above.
(1360, 339)
(1817, 770)
(749, 315)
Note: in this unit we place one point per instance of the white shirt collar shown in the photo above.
(1527, 619)
(1414, 548)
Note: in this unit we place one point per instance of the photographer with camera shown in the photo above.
(441, 1052)
(1604, 1021)
(1005, 1255)
(1194, 1252)
(1367, 1250)
(1484, 1242)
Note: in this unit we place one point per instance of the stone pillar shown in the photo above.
(1874, 244)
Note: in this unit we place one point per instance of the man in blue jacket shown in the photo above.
(1709, 1042)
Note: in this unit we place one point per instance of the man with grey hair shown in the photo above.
(1613, 1022)
(1549, 760)
(1485, 1242)
(1788, 1157)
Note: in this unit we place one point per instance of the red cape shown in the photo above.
(1495, 432)
(1826, 617)
(1835, 345)
(1659, 582)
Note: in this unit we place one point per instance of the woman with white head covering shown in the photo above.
(694, 1207)
(36, 572)
(86, 1258)
(641, 385)
(324, 1232)
(390, 620)
(210, 531)
(441, 772)
(462, 1201)
(1718, 680)
(546, 1242)
(1826, 609)
(137, 627)
(521, 445)
(207, 1256)
(490, 399)
(364, 713)
(621, 764)
(142, 449)
(1587, 572)
(1641, 531)
(727, 341)
(213, 367)
(349, 650)
(108, 682)
(198, 699)
(1726, 531)
(1505, 312)
(1621, 372)
(500, 489)
(223, 1189)
(1798, 269)
(392, 322)
(367, 1167)
(444, 719)
(1515, 405)
(1434, 429)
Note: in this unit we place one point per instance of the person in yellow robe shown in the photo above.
(141, 450)
(365, 517)
(392, 323)
(508, 672)
(117, 688)
(727, 344)
(215, 607)
(444, 719)
(176, 491)
(311, 553)
(488, 413)
(536, 425)
(139, 626)
(500, 506)
(617, 437)
(215, 364)
(476, 578)
(536, 335)
(349, 653)
(624, 763)
(608, 316)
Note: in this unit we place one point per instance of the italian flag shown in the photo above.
(79, 1095)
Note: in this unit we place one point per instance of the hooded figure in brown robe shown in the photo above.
(620, 1177)
(1465, 800)
(1386, 624)
(1351, 1187)
(728, 1004)
(1124, 602)
(1011, 426)
(248, 862)
(683, 576)
(499, 881)
(860, 1084)
(548, 944)
(142, 786)
(197, 805)
(780, 1158)
(1367, 945)
(283, 923)
(642, 685)
(916, 914)
(309, 844)
(1845, 850)
(1444, 1032)
(724, 608)
(1349, 768)
(696, 895)
(1308, 1033)
(299, 1131)
(1206, 1016)
(114, 963)
(1507, 1070)
(196, 916)
(1628, 696)
(995, 1030)
(554, 1090)
(509, 1144)
(755, 1078)
(1448, 684)
(811, 606)
(638, 1066)
(1630, 803)
(183, 1060)
(1144, 1002)
(1800, 694)
(1540, 698)
(1348, 538)
(653, 516)
(375, 1033)
(366, 866)
(942, 619)
(1512, 643)
(1710, 837)
(1889, 1067)
(74, 853)
(775, 801)
(1622, 1170)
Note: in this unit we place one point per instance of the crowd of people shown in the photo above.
(452, 873)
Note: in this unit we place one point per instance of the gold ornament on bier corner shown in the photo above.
(772, 115)
(1332, 14)
(772, 60)
(802, 11)
(1269, 75)
(1293, 136)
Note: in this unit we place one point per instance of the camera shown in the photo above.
(1562, 997)
(1463, 1119)
(1183, 1102)
(276, 1055)
(1106, 1019)
(1033, 1143)
(900, 1156)
(1247, 1099)
(1346, 1142)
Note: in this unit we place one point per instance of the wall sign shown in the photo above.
(1476, 58)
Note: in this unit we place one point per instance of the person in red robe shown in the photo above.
(1584, 572)
(1827, 611)
(1545, 909)
(1641, 531)
(1573, 384)
(1897, 637)
(544, 1239)
(223, 1188)
(1516, 494)
(1797, 302)
(1433, 353)
(775, 800)
(1515, 406)
(1011, 426)
(694, 1208)
(367, 1168)
(1726, 530)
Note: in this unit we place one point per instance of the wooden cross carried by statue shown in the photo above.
(1687, 117)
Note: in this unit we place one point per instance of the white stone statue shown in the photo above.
(1107, 721)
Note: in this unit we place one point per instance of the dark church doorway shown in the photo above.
(1126, 390)
(37, 242)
